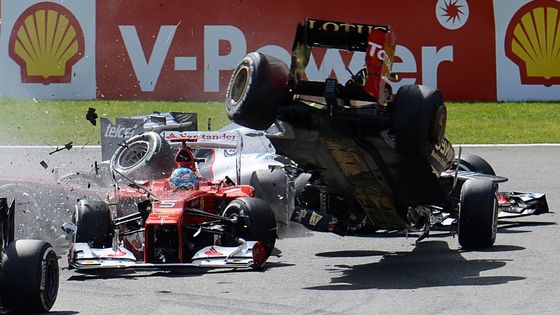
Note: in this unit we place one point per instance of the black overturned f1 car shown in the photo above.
(28, 269)
(373, 161)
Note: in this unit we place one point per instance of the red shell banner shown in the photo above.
(186, 50)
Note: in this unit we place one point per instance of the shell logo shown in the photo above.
(46, 42)
(533, 42)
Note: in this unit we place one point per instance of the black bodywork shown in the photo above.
(374, 159)
(365, 162)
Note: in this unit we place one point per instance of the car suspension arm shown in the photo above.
(202, 213)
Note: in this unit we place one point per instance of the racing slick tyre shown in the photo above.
(259, 223)
(478, 214)
(29, 277)
(419, 118)
(257, 87)
(93, 223)
(474, 163)
(146, 156)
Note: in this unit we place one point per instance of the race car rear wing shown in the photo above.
(332, 34)
(377, 41)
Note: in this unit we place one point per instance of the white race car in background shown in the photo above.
(234, 152)
(144, 149)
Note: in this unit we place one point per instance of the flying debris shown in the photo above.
(92, 116)
(67, 146)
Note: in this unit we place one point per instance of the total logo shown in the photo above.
(532, 42)
(46, 41)
(452, 14)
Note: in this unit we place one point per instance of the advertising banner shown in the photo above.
(47, 49)
(186, 50)
(528, 49)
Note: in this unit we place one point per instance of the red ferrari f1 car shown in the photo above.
(168, 218)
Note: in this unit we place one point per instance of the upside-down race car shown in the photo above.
(170, 219)
(373, 160)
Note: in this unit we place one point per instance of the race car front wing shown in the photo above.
(84, 258)
(518, 204)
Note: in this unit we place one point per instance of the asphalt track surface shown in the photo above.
(329, 274)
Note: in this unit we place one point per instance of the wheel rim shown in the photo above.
(133, 154)
(239, 86)
(51, 281)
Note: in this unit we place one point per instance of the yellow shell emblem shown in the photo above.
(46, 42)
(533, 42)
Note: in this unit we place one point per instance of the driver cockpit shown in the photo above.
(185, 176)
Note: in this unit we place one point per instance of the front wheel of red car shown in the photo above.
(257, 87)
(29, 277)
(257, 221)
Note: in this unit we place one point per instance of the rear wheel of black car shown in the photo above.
(257, 87)
(93, 224)
(257, 221)
(29, 277)
(146, 156)
(420, 119)
(474, 163)
(478, 214)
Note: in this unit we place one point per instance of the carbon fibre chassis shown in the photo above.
(352, 154)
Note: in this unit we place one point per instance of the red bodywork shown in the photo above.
(379, 61)
(169, 205)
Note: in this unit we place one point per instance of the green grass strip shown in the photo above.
(40, 122)
(490, 123)
(59, 122)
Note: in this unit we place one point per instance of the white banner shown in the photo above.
(527, 49)
(47, 49)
